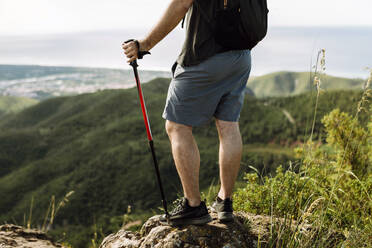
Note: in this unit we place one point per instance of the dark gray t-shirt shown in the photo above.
(199, 44)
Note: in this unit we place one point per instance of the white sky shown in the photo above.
(61, 16)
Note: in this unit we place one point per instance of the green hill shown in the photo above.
(11, 104)
(294, 83)
(95, 144)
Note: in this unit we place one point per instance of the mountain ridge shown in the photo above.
(287, 83)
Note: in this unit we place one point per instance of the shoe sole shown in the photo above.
(196, 221)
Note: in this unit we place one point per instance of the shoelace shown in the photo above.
(179, 206)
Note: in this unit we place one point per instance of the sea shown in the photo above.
(348, 50)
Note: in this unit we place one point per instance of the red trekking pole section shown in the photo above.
(143, 105)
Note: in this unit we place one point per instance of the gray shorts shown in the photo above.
(213, 88)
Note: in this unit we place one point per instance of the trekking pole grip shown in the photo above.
(140, 54)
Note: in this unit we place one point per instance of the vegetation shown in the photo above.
(287, 83)
(95, 145)
(325, 204)
(11, 104)
(324, 199)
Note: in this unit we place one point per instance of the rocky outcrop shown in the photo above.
(242, 233)
(16, 236)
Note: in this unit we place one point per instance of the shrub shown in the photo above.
(330, 195)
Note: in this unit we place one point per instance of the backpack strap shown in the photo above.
(203, 13)
(222, 4)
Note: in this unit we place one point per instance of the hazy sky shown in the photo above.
(60, 16)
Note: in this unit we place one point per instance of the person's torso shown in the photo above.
(199, 44)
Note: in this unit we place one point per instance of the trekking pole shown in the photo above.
(147, 124)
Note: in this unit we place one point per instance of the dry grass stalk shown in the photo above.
(311, 208)
(30, 214)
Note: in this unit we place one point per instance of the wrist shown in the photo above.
(144, 45)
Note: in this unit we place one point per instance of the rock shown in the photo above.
(16, 236)
(242, 233)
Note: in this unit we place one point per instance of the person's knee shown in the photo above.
(227, 128)
(173, 128)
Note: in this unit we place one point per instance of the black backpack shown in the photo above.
(239, 25)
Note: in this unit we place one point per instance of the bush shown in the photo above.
(328, 202)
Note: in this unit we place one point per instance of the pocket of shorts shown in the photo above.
(177, 71)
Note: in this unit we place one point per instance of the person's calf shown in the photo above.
(229, 155)
(187, 159)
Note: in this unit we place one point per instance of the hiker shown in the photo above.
(208, 82)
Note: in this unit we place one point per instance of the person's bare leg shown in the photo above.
(187, 159)
(229, 155)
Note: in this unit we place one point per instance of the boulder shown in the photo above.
(242, 233)
(16, 236)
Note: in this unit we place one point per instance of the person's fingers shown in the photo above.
(132, 58)
(132, 55)
(129, 51)
(126, 45)
(131, 45)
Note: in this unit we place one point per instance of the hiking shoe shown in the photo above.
(224, 209)
(184, 214)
